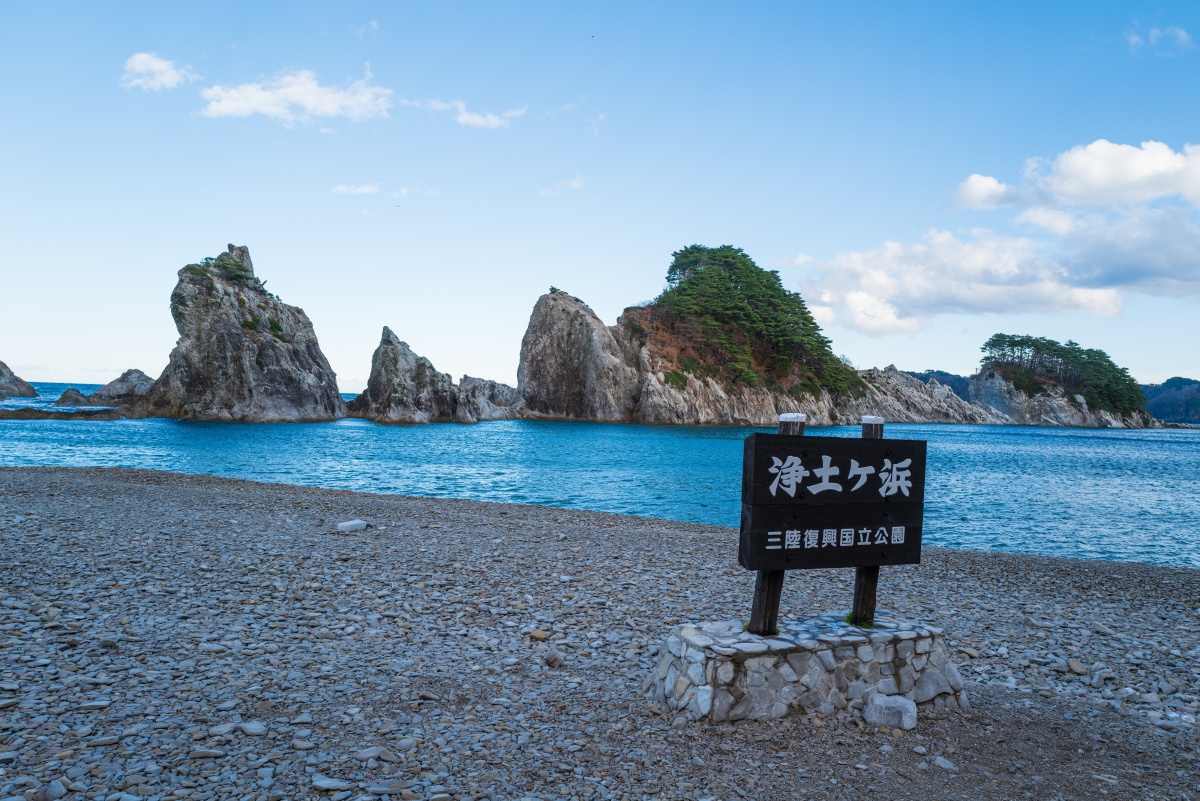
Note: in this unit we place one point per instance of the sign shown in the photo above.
(810, 502)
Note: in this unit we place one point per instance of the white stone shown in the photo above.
(323, 782)
(352, 525)
(892, 711)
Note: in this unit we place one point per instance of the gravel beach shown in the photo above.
(165, 636)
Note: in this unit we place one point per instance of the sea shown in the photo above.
(1128, 495)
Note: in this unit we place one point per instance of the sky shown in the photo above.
(924, 174)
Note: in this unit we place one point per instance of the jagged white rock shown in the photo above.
(242, 353)
(892, 711)
(13, 387)
(406, 388)
(1054, 407)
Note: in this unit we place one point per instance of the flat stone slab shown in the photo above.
(717, 671)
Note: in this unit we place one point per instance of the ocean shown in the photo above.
(1130, 495)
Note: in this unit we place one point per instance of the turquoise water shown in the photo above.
(1096, 494)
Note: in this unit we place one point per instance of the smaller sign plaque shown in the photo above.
(811, 502)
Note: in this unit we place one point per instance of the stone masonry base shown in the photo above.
(717, 672)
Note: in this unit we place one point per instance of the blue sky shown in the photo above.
(925, 174)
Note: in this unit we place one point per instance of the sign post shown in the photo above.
(815, 502)
(768, 586)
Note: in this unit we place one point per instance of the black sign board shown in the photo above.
(811, 502)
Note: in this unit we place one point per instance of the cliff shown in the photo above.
(1176, 400)
(1048, 404)
(129, 388)
(242, 353)
(13, 387)
(574, 367)
(406, 388)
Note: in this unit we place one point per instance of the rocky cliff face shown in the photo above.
(13, 387)
(406, 388)
(128, 389)
(573, 366)
(73, 397)
(242, 353)
(481, 399)
(1054, 407)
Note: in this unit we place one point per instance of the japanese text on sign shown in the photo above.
(835, 537)
(790, 473)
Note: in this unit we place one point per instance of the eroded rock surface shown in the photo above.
(572, 365)
(73, 397)
(130, 387)
(242, 353)
(482, 399)
(407, 388)
(13, 387)
(127, 390)
(1054, 407)
(404, 387)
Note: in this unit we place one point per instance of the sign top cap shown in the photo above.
(793, 417)
(869, 420)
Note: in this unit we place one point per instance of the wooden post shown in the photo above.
(866, 579)
(768, 586)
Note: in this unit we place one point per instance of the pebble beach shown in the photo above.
(166, 636)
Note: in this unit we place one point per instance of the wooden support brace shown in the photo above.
(768, 586)
(866, 579)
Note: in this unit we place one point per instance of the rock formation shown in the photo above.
(13, 387)
(73, 397)
(128, 389)
(242, 353)
(481, 399)
(574, 367)
(406, 388)
(1054, 407)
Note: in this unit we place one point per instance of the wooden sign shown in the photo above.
(810, 502)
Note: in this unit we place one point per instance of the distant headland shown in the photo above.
(725, 343)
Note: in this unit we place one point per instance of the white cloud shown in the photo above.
(985, 192)
(1103, 220)
(298, 96)
(575, 184)
(471, 119)
(1055, 221)
(1102, 173)
(148, 72)
(802, 259)
(370, 29)
(896, 287)
(361, 189)
(1166, 42)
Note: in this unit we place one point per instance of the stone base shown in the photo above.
(718, 672)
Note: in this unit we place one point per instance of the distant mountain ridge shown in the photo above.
(1176, 400)
(960, 384)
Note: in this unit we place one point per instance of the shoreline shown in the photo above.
(202, 635)
(535, 508)
(116, 413)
